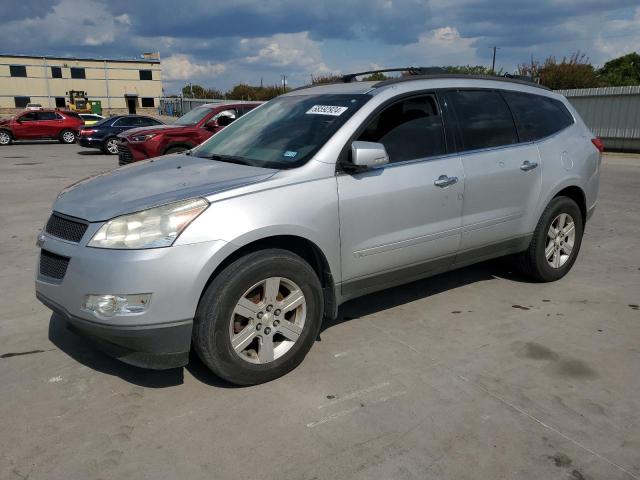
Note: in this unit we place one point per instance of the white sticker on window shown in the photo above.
(327, 110)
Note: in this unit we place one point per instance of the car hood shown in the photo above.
(151, 183)
(4, 121)
(153, 129)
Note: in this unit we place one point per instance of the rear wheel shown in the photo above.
(259, 317)
(110, 146)
(555, 243)
(67, 136)
(5, 137)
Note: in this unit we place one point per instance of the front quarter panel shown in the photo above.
(304, 208)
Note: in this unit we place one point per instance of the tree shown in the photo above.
(375, 77)
(322, 79)
(621, 71)
(573, 72)
(197, 91)
(471, 70)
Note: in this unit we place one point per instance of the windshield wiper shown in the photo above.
(229, 159)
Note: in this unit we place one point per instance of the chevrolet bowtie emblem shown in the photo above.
(40, 240)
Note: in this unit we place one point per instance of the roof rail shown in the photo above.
(350, 77)
(506, 78)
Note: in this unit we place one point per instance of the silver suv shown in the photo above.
(243, 245)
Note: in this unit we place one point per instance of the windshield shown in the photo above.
(193, 117)
(283, 133)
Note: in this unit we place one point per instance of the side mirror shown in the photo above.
(224, 120)
(368, 154)
(211, 124)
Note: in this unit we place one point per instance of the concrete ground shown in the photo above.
(476, 374)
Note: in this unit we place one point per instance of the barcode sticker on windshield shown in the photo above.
(327, 110)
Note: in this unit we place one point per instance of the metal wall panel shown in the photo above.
(612, 113)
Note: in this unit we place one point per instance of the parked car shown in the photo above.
(62, 125)
(186, 132)
(33, 106)
(91, 118)
(326, 193)
(103, 135)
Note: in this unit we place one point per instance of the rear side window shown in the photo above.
(46, 115)
(536, 116)
(409, 129)
(483, 118)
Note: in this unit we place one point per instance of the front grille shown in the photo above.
(53, 265)
(66, 228)
(124, 155)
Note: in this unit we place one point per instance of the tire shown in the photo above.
(67, 136)
(5, 137)
(216, 323)
(110, 146)
(534, 261)
(175, 150)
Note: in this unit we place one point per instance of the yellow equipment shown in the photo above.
(78, 101)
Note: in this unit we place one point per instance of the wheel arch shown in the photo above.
(8, 130)
(303, 247)
(576, 194)
(176, 144)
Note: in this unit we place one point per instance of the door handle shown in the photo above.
(445, 181)
(527, 165)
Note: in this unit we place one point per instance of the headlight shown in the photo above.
(153, 228)
(142, 138)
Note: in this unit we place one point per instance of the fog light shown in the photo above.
(110, 305)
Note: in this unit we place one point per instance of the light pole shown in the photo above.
(493, 63)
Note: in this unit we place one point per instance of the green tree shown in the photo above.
(322, 79)
(621, 71)
(375, 77)
(573, 72)
(470, 70)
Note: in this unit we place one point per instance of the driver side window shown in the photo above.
(409, 129)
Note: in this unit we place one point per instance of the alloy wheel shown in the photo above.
(68, 137)
(112, 146)
(561, 238)
(5, 138)
(268, 320)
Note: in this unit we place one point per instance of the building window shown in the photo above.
(148, 102)
(56, 72)
(21, 102)
(77, 72)
(18, 70)
(145, 75)
(60, 102)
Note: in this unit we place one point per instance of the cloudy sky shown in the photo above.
(218, 43)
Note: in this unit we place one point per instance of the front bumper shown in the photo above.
(89, 142)
(175, 276)
(130, 152)
(150, 346)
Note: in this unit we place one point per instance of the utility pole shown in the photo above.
(284, 83)
(493, 63)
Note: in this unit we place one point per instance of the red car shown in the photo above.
(188, 131)
(61, 125)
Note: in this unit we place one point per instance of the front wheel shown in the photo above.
(259, 317)
(555, 243)
(67, 136)
(110, 146)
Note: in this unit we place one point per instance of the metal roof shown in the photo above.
(85, 59)
(600, 91)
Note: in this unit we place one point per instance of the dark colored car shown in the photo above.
(103, 134)
(61, 125)
(188, 131)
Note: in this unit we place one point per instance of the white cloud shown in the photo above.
(441, 46)
(619, 37)
(291, 50)
(181, 67)
(71, 22)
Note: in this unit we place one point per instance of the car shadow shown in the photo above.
(410, 292)
(83, 351)
(91, 153)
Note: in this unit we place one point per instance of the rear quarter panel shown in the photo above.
(568, 158)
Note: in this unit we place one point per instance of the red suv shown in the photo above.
(188, 131)
(40, 124)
